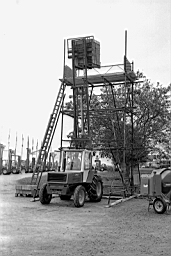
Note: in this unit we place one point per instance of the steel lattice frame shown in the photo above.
(83, 87)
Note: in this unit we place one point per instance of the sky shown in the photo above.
(32, 34)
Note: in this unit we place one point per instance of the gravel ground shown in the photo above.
(128, 229)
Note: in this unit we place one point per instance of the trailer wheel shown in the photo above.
(95, 191)
(65, 197)
(159, 205)
(44, 197)
(79, 196)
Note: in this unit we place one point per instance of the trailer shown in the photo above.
(157, 188)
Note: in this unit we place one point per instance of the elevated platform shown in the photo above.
(100, 79)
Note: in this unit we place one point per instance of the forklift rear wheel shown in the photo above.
(95, 192)
(44, 197)
(65, 197)
(159, 205)
(79, 196)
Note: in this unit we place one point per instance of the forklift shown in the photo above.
(16, 164)
(7, 163)
(76, 178)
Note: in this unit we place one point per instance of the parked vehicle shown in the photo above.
(76, 178)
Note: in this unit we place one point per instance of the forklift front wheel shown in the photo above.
(44, 197)
(4, 171)
(14, 170)
(159, 205)
(79, 196)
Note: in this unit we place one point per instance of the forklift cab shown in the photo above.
(6, 167)
(77, 161)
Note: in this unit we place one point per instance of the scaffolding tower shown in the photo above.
(118, 88)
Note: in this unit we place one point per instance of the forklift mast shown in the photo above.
(85, 54)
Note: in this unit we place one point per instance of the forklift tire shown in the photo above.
(79, 196)
(14, 170)
(159, 205)
(44, 197)
(95, 191)
(65, 197)
(5, 171)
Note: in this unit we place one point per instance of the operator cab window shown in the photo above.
(73, 160)
(87, 162)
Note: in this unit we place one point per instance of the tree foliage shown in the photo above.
(152, 116)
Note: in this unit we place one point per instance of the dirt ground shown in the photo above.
(128, 229)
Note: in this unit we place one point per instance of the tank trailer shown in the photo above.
(157, 187)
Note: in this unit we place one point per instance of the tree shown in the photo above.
(150, 120)
(152, 117)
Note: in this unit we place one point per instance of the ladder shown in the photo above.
(47, 140)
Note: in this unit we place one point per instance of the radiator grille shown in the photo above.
(57, 177)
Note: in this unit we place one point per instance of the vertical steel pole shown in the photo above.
(74, 90)
(62, 125)
(125, 43)
(124, 114)
(9, 140)
(36, 149)
(87, 94)
(28, 156)
(22, 140)
(82, 108)
(32, 146)
(60, 154)
(62, 120)
(132, 134)
(15, 148)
